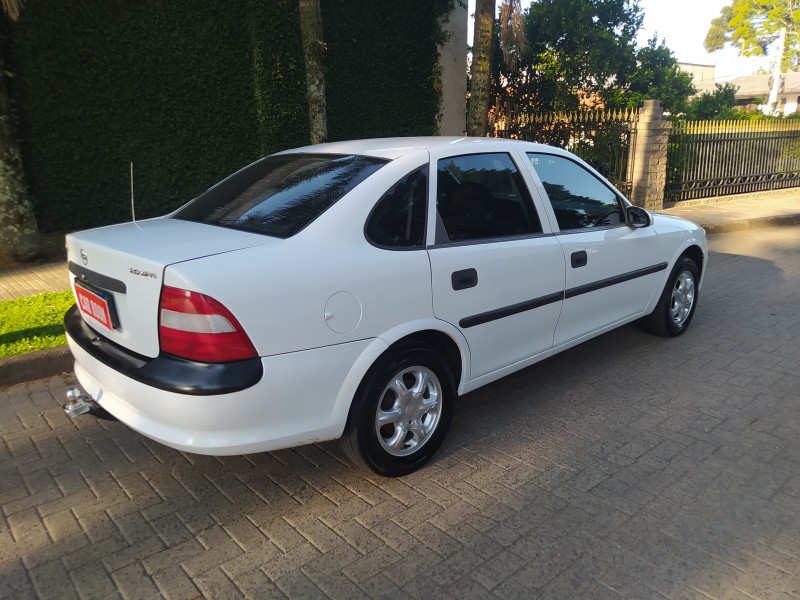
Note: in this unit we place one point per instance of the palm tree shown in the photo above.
(481, 67)
(313, 50)
(512, 44)
(19, 234)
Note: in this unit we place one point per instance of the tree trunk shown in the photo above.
(481, 68)
(777, 72)
(19, 234)
(313, 50)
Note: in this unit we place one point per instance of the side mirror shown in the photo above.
(638, 217)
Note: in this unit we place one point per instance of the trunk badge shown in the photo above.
(84, 258)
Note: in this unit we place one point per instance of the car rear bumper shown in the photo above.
(293, 403)
(164, 372)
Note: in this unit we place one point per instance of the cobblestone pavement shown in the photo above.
(632, 466)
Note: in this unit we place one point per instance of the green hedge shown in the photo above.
(190, 91)
(382, 77)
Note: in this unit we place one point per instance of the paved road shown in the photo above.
(629, 467)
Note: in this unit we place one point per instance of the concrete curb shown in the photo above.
(36, 365)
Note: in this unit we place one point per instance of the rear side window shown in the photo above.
(398, 219)
(280, 195)
(482, 196)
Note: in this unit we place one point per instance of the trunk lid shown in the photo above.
(123, 267)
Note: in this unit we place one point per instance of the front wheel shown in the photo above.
(678, 301)
(401, 413)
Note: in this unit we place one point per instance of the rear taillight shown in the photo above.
(197, 327)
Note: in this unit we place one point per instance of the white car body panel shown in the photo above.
(611, 252)
(322, 306)
(524, 269)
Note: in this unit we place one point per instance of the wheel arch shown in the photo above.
(437, 335)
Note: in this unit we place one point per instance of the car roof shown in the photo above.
(393, 148)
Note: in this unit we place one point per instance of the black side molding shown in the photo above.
(514, 309)
(599, 285)
(507, 311)
(164, 372)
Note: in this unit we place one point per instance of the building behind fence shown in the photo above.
(655, 161)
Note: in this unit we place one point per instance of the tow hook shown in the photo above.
(78, 404)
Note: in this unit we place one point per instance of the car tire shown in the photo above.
(675, 309)
(401, 412)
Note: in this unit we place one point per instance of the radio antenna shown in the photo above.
(133, 209)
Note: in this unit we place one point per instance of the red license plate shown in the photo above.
(94, 306)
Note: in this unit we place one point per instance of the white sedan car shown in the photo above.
(354, 289)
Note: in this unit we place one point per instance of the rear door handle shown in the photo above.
(464, 279)
(579, 259)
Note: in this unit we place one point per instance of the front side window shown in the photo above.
(398, 219)
(580, 200)
(483, 196)
(280, 195)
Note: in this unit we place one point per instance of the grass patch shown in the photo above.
(34, 323)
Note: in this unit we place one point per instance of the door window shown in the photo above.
(482, 196)
(580, 200)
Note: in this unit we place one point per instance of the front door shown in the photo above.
(610, 267)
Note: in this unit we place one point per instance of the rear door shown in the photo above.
(611, 268)
(497, 272)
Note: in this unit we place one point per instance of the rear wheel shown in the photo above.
(401, 412)
(675, 308)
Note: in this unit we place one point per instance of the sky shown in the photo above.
(683, 24)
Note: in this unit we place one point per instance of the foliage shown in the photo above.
(33, 323)
(753, 25)
(656, 75)
(582, 53)
(190, 92)
(382, 72)
(718, 104)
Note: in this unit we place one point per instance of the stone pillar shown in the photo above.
(647, 162)
(453, 65)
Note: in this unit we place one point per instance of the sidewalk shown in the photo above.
(763, 209)
(740, 212)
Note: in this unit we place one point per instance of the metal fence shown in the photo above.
(717, 158)
(603, 138)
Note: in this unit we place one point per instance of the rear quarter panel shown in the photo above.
(280, 293)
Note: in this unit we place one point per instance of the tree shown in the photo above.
(714, 105)
(19, 233)
(313, 51)
(480, 70)
(656, 75)
(753, 26)
(576, 50)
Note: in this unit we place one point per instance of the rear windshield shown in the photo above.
(280, 195)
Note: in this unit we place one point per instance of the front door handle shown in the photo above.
(464, 279)
(579, 259)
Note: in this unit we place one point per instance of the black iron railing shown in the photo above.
(603, 138)
(718, 158)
